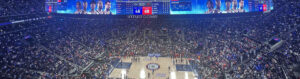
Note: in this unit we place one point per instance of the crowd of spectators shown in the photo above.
(21, 7)
(22, 58)
(67, 47)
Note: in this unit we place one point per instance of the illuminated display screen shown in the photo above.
(181, 5)
(156, 7)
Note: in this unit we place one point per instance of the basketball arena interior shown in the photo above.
(149, 39)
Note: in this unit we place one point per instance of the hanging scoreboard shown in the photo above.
(142, 7)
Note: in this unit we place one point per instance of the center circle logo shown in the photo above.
(152, 66)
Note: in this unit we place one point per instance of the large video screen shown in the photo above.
(156, 7)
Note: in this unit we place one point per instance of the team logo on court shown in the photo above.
(152, 66)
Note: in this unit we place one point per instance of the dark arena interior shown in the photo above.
(52, 39)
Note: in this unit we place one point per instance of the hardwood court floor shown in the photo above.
(138, 70)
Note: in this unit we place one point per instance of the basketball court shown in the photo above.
(152, 68)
